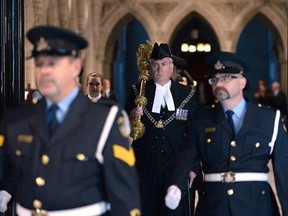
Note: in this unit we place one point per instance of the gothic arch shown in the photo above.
(114, 25)
(122, 14)
(279, 27)
(276, 24)
(206, 12)
(270, 18)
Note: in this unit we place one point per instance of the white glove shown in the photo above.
(4, 200)
(173, 197)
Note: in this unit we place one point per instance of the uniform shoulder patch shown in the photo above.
(123, 124)
(1, 140)
(126, 155)
(135, 212)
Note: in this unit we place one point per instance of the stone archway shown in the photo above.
(96, 20)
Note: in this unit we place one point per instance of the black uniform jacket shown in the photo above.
(67, 171)
(249, 151)
(155, 151)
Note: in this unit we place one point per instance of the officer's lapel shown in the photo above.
(221, 119)
(38, 121)
(72, 121)
(250, 119)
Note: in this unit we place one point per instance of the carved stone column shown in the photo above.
(64, 12)
(29, 63)
(87, 30)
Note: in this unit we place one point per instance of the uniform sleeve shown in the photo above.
(3, 159)
(121, 177)
(3, 163)
(8, 176)
(280, 161)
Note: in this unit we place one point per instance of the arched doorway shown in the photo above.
(259, 43)
(124, 69)
(195, 30)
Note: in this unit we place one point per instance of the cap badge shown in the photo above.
(218, 65)
(42, 44)
(74, 53)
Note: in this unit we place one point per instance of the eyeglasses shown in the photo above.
(225, 79)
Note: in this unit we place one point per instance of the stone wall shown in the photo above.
(100, 21)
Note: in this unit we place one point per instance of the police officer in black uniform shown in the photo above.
(236, 140)
(167, 117)
(66, 155)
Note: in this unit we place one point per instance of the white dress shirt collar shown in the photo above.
(162, 98)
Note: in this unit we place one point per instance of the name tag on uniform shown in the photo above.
(182, 114)
(210, 130)
(25, 138)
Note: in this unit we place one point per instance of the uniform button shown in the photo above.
(232, 158)
(40, 181)
(233, 143)
(263, 192)
(45, 159)
(18, 153)
(257, 145)
(163, 137)
(230, 192)
(37, 204)
(208, 140)
(81, 157)
(1, 140)
(156, 137)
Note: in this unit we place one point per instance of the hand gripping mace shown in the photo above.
(143, 56)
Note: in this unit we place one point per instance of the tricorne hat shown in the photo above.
(51, 40)
(160, 51)
(180, 63)
(226, 62)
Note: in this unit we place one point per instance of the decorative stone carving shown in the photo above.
(159, 11)
(282, 6)
(64, 13)
(87, 17)
(230, 10)
(39, 8)
(108, 8)
(53, 11)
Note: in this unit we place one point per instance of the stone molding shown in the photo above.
(101, 20)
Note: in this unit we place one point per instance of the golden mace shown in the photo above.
(143, 56)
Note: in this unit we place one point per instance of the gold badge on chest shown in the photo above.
(159, 124)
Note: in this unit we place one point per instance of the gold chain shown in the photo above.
(160, 123)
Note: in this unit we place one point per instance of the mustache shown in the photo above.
(45, 79)
(220, 88)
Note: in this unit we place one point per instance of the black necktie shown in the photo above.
(230, 113)
(52, 119)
